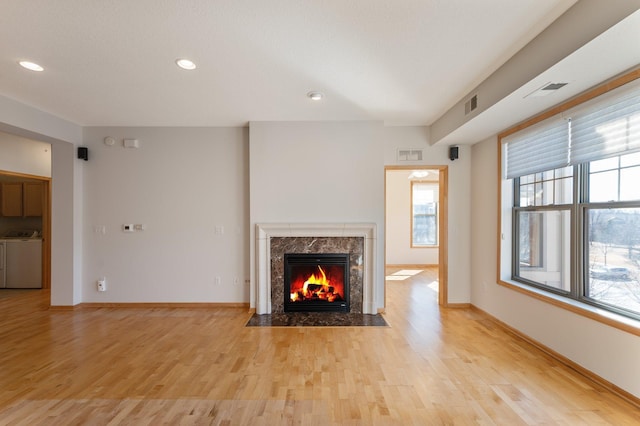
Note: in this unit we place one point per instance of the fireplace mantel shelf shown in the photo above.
(265, 231)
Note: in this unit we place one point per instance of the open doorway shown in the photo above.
(25, 214)
(416, 221)
(25, 211)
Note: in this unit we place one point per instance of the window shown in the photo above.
(612, 253)
(570, 200)
(612, 232)
(424, 214)
(542, 228)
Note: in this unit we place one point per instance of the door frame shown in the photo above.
(443, 234)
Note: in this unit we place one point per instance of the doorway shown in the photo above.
(31, 210)
(410, 247)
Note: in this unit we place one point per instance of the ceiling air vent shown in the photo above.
(545, 90)
(471, 104)
(409, 155)
(554, 86)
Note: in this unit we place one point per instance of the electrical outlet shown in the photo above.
(218, 280)
(102, 284)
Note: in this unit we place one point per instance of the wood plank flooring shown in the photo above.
(183, 366)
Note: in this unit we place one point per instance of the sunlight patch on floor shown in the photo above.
(403, 274)
(396, 278)
(408, 272)
(434, 285)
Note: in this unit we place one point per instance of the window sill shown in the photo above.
(603, 316)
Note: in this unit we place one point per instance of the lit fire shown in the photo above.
(316, 287)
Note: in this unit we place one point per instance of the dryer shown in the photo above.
(23, 263)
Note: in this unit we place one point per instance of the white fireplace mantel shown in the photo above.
(264, 232)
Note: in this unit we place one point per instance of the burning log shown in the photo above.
(314, 288)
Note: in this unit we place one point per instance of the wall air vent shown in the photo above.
(409, 155)
(545, 90)
(471, 104)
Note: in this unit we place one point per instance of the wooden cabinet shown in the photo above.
(21, 199)
(32, 193)
(12, 199)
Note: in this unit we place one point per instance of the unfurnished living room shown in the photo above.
(356, 212)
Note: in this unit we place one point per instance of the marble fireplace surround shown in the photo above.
(265, 231)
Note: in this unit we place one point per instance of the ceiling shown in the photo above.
(112, 63)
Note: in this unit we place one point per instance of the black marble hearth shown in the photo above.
(317, 319)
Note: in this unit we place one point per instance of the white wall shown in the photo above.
(24, 155)
(108, 189)
(189, 187)
(398, 250)
(313, 160)
(23, 120)
(608, 352)
(328, 172)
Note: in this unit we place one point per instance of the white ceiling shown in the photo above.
(403, 62)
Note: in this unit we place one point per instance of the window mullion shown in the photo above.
(578, 253)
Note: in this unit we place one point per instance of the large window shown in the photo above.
(424, 214)
(573, 184)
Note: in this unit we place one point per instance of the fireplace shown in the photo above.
(274, 240)
(316, 282)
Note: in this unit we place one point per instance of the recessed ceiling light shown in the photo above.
(185, 64)
(418, 174)
(31, 66)
(315, 96)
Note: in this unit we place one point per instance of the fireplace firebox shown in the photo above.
(316, 282)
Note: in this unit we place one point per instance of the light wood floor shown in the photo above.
(202, 366)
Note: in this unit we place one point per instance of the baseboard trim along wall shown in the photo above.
(458, 305)
(150, 305)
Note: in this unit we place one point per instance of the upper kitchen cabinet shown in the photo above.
(33, 195)
(22, 199)
(12, 199)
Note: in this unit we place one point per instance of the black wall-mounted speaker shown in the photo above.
(83, 153)
(453, 153)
